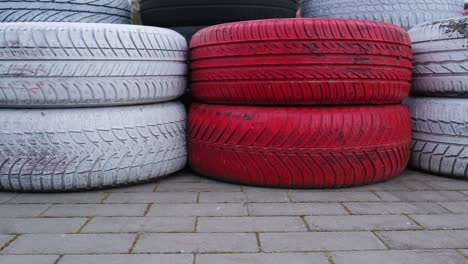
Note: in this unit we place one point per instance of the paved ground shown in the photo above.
(416, 218)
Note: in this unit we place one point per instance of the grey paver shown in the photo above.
(277, 209)
(4, 197)
(422, 196)
(36, 259)
(22, 210)
(275, 258)
(425, 239)
(139, 224)
(198, 187)
(241, 197)
(213, 209)
(320, 196)
(96, 210)
(142, 188)
(139, 198)
(386, 208)
(398, 256)
(197, 243)
(58, 198)
(456, 207)
(454, 185)
(40, 225)
(70, 244)
(127, 259)
(448, 221)
(464, 252)
(361, 223)
(319, 241)
(251, 224)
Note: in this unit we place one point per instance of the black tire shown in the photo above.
(188, 32)
(176, 13)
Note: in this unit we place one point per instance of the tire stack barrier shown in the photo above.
(439, 107)
(403, 13)
(85, 105)
(300, 103)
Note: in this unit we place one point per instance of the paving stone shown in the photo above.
(398, 256)
(464, 252)
(22, 210)
(361, 223)
(197, 243)
(198, 187)
(58, 198)
(319, 241)
(386, 208)
(143, 198)
(277, 209)
(96, 210)
(40, 225)
(267, 196)
(425, 239)
(251, 224)
(457, 221)
(142, 188)
(449, 185)
(71, 244)
(36, 259)
(329, 196)
(221, 197)
(274, 258)
(4, 239)
(422, 196)
(4, 197)
(412, 175)
(215, 209)
(139, 224)
(456, 207)
(127, 259)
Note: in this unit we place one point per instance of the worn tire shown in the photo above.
(440, 58)
(177, 13)
(79, 11)
(403, 13)
(79, 149)
(71, 65)
(301, 61)
(440, 136)
(299, 147)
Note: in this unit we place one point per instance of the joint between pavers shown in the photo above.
(257, 237)
(9, 242)
(156, 186)
(103, 200)
(416, 222)
(195, 230)
(85, 223)
(346, 209)
(58, 259)
(135, 241)
(330, 260)
(381, 240)
(147, 209)
(459, 252)
(306, 224)
(14, 196)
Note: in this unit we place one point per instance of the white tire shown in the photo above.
(78, 65)
(79, 149)
(440, 136)
(440, 61)
(403, 13)
(78, 11)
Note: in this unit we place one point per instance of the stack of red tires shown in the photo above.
(300, 103)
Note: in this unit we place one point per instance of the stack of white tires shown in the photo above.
(440, 104)
(85, 104)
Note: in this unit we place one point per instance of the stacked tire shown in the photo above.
(300, 103)
(84, 105)
(403, 13)
(189, 16)
(440, 106)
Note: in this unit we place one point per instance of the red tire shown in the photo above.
(301, 61)
(466, 12)
(304, 147)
